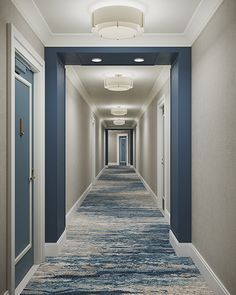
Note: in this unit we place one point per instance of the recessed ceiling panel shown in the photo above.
(74, 16)
(144, 78)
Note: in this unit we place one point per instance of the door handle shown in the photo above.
(21, 127)
(33, 177)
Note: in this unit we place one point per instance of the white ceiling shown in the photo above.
(147, 82)
(68, 22)
(161, 16)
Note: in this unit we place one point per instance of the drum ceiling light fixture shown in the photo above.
(117, 22)
(119, 111)
(119, 122)
(118, 83)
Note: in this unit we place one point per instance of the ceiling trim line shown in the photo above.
(202, 15)
(77, 83)
(160, 82)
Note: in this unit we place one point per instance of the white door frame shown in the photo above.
(118, 148)
(93, 149)
(160, 105)
(18, 44)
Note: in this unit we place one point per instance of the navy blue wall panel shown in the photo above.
(181, 146)
(180, 59)
(54, 147)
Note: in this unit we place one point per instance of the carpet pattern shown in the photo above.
(118, 243)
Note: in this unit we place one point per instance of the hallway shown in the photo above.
(117, 243)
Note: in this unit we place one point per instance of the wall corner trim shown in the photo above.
(77, 204)
(155, 197)
(53, 249)
(81, 199)
(25, 281)
(189, 250)
(167, 216)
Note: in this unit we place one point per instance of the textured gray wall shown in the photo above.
(8, 14)
(78, 145)
(214, 144)
(146, 139)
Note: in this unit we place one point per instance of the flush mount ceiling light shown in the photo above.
(139, 59)
(96, 59)
(117, 22)
(119, 122)
(118, 83)
(119, 111)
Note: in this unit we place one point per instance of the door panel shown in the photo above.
(122, 149)
(23, 169)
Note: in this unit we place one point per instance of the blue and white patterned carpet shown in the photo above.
(118, 243)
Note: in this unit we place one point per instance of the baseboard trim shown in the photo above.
(82, 198)
(53, 249)
(77, 203)
(100, 173)
(112, 164)
(147, 186)
(25, 280)
(6, 293)
(167, 216)
(189, 250)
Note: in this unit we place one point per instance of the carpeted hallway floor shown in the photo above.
(118, 243)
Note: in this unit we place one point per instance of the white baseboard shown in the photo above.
(189, 250)
(25, 280)
(81, 198)
(53, 249)
(77, 204)
(100, 173)
(167, 216)
(112, 164)
(6, 293)
(147, 186)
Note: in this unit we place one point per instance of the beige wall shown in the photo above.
(214, 144)
(146, 143)
(79, 137)
(8, 14)
(112, 145)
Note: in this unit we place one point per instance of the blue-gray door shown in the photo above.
(23, 170)
(122, 150)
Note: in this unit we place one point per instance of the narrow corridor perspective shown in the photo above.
(117, 243)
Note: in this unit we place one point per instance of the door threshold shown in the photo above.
(26, 279)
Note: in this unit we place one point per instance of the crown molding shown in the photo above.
(199, 20)
(160, 82)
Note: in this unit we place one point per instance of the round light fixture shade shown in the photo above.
(119, 111)
(118, 83)
(119, 122)
(118, 22)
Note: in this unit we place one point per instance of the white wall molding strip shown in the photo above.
(189, 250)
(167, 216)
(148, 188)
(25, 280)
(81, 199)
(77, 204)
(6, 293)
(53, 249)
